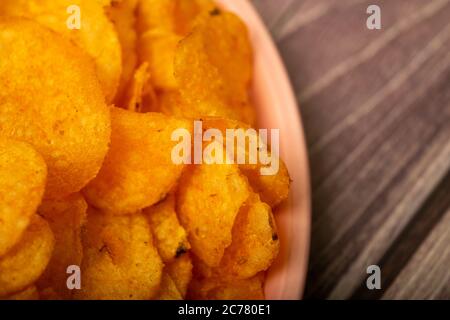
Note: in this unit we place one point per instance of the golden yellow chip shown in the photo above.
(213, 69)
(27, 260)
(157, 47)
(180, 271)
(66, 218)
(255, 241)
(22, 182)
(29, 293)
(175, 16)
(209, 198)
(120, 260)
(85, 23)
(218, 289)
(156, 14)
(170, 237)
(51, 99)
(122, 14)
(140, 95)
(168, 289)
(138, 170)
(274, 188)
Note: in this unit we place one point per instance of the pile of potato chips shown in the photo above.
(86, 176)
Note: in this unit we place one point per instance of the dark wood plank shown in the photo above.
(376, 110)
(427, 275)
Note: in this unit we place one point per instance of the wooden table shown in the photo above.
(376, 111)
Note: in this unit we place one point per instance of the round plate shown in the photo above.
(277, 108)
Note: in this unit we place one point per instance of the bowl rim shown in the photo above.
(296, 267)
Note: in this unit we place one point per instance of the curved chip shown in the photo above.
(27, 260)
(180, 271)
(23, 175)
(66, 218)
(213, 69)
(168, 289)
(122, 14)
(138, 170)
(209, 198)
(255, 243)
(157, 47)
(273, 189)
(170, 237)
(51, 99)
(176, 16)
(120, 260)
(140, 95)
(96, 34)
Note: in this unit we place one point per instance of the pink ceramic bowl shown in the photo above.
(277, 108)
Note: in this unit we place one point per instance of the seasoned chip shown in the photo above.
(29, 293)
(156, 14)
(140, 95)
(51, 99)
(274, 188)
(171, 15)
(168, 290)
(170, 103)
(170, 237)
(180, 270)
(157, 47)
(217, 289)
(26, 261)
(255, 242)
(120, 260)
(22, 181)
(138, 170)
(96, 34)
(209, 198)
(66, 218)
(122, 15)
(213, 69)
(187, 11)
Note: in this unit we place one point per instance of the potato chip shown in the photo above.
(209, 198)
(140, 91)
(255, 242)
(168, 290)
(217, 289)
(175, 16)
(213, 69)
(273, 189)
(94, 26)
(51, 99)
(120, 260)
(187, 11)
(138, 170)
(170, 103)
(23, 174)
(180, 271)
(66, 218)
(29, 293)
(154, 14)
(170, 237)
(122, 15)
(26, 261)
(157, 47)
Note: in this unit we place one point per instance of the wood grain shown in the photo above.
(376, 111)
